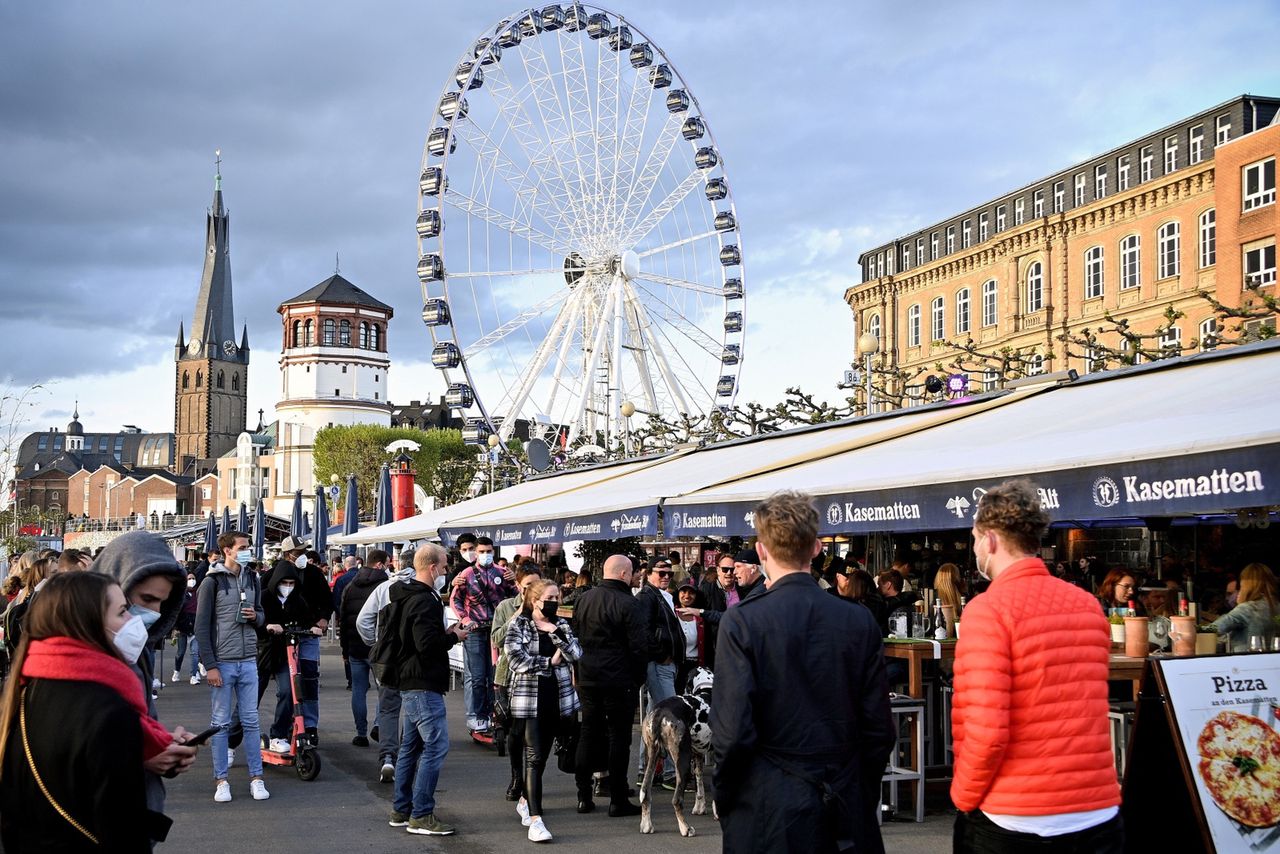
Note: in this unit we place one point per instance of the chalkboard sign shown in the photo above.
(1204, 762)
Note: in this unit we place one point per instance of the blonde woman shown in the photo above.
(1259, 605)
(949, 586)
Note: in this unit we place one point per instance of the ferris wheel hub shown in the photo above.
(629, 265)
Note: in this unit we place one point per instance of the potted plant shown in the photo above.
(1117, 628)
(1206, 639)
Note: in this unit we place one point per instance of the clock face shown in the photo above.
(229, 347)
(194, 346)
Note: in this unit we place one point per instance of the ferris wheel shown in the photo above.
(579, 249)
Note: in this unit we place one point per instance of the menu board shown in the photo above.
(1225, 711)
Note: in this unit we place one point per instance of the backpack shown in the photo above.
(386, 652)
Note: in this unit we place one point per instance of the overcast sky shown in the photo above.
(841, 126)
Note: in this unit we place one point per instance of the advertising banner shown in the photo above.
(597, 526)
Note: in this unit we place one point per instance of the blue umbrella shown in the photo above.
(351, 516)
(383, 510)
(211, 535)
(295, 524)
(322, 522)
(226, 520)
(306, 525)
(242, 521)
(259, 530)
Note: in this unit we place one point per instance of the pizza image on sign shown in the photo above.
(1240, 767)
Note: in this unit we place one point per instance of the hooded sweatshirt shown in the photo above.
(130, 559)
(357, 592)
(293, 612)
(367, 621)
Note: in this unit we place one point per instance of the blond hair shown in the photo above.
(949, 586)
(1257, 581)
(787, 524)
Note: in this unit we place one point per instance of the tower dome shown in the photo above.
(75, 428)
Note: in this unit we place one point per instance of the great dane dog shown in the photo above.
(681, 725)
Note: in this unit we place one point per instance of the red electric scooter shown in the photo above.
(302, 754)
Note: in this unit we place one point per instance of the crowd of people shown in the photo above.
(556, 666)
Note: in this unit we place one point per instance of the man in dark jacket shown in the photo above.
(615, 638)
(417, 616)
(314, 589)
(666, 644)
(354, 649)
(746, 571)
(283, 607)
(720, 592)
(789, 723)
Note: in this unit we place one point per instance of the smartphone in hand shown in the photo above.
(197, 740)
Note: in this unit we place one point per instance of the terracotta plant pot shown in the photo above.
(1206, 643)
(1183, 632)
(1136, 642)
(1117, 632)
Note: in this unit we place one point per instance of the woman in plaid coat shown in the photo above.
(540, 647)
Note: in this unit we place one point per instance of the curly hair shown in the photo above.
(1013, 510)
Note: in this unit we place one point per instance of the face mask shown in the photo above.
(301, 562)
(285, 590)
(191, 582)
(982, 572)
(549, 610)
(132, 638)
(147, 616)
(469, 556)
(484, 559)
(438, 584)
(244, 556)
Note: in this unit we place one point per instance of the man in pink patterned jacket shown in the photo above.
(476, 593)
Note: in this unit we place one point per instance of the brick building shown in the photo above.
(1132, 232)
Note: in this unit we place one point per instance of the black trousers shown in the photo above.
(607, 718)
(537, 735)
(977, 833)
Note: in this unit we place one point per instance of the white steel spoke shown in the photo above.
(579, 104)
(606, 132)
(492, 155)
(635, 343)
(681, 283)
(655, 216)
(676, 244)
(484, 274)
(516, 322)
(593, 363)
(673, 318)
(634, 125)
(578, 300)
(640, 190)
(472, 207)
(664, 366)
(534, 370)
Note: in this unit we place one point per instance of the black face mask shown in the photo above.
(549, 610)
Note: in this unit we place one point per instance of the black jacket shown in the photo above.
(800, 680)
(93, 769)
(293, 612)
(667, 644)
(717, 604)
(614, 633)
(354, 595)
(424, 644)
(312, 587)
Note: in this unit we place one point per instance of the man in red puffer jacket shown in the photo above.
(1033, 766)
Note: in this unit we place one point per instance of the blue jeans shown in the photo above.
(477, 676)
(360, 694)
(187, 643)
(388, 723)
(309, 667)
(239, 681)
(422, 751)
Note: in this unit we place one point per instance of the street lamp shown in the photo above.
(494, 442)
(627, 409)
(868, 346)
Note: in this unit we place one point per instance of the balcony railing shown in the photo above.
(151, 522)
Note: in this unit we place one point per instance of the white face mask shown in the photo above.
(301, 562)
(469, 556)
(285, 590)
(191, 582)
(982, 571)
(484, 558)
(131, 639)
(439, 583)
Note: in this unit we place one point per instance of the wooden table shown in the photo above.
(916, 652)
(1124, 667)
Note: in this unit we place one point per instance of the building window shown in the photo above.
(344, 333)
(1171, 343)
(1196, 145)
(913, 326)
(990, 379)
(989, 302)
(1259, 184)
(1035, 365)
(873, 326)
(1208, 334)
(951, 239)
(375, 335)
(1122, 173)
(919, 251)
(1170, 154)
(1035, 287)
(936, 329)
(57, 442)
(309, 334)
(364, 336)
(375, 378)
(1145, 158)
(375, 395)
(186, 380)
(1100, 181)
(906, 257)
(1037, 204)
(1019, 211)
(962, 311)
(1224, 129)
(984, 230)
(1078, 198)
(235, 382)
(206, 492)
(344, 369)
(1000, 218)
(1093, 273)
(1130, 262)
(199, 379)
(879, 273)
(337, 392)
(1208, 238)
(1260, 266)
(933, 246)
(297, 333)
(1167, 246)
(1059, 196)
(329, 333)
(222, 379)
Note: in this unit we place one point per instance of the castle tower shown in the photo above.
(333, 370)
(211, 377)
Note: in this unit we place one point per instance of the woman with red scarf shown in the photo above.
(74, 729)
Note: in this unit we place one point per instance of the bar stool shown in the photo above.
(896, 772)
(1120, 716)
(948, 751)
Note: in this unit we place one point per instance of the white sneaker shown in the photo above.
(258, 789)
(176, 677)
(203, 672)
(195, 680)
(231, 756)
(156, 684)
(522, 809)
(387, 774)
(222, 794)
(538, 831)
(278, 745)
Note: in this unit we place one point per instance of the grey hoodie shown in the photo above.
(367, 621)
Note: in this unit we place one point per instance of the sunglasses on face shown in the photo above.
(664, 573)
(726, 569)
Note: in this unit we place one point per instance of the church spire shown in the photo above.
(214, 325)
